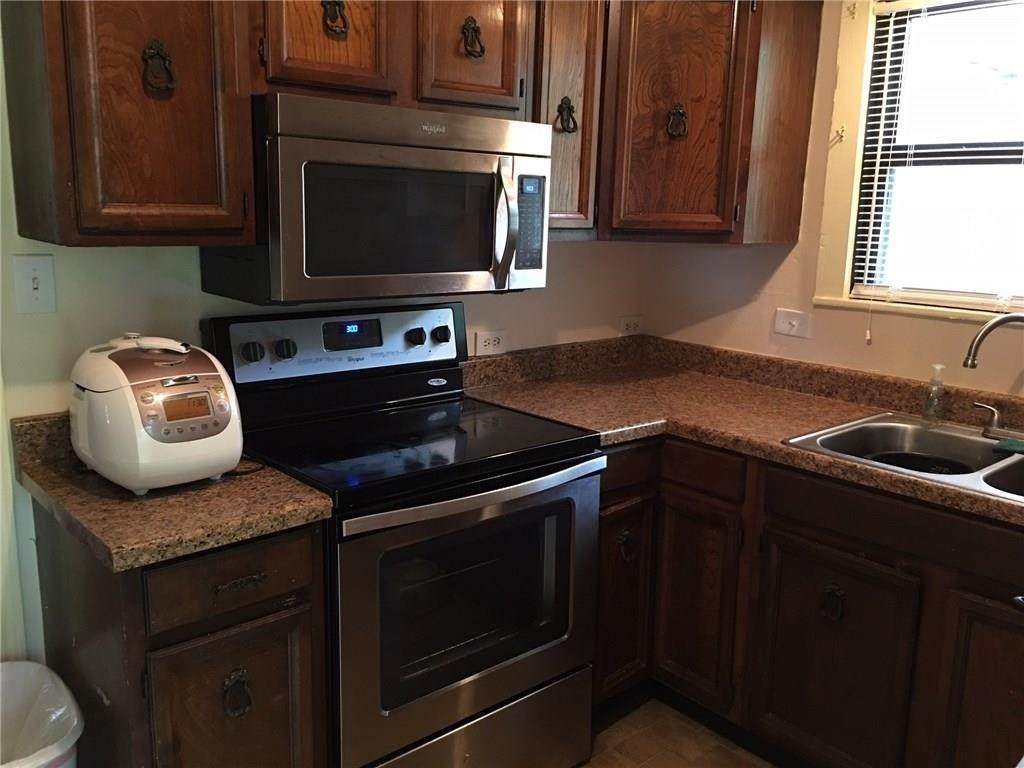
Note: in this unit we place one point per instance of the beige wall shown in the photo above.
(713, 295)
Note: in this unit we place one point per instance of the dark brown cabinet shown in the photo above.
(682, 74)
(571, 45)
(242, 697)
(836, 652)
(696, 587)
(984, 723)
(332, 44)
(133, 126)
(474, 52)
(624, 595)
(705, 119)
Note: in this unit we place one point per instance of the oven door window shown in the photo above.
(467, 601)
(366, 220)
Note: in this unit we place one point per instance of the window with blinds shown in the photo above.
(940, 215)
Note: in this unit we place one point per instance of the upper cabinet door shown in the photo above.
(572, 37)
(339, 44)
(160, 124)
(681, 79)
(473, 53)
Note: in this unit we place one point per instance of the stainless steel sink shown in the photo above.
(941, 452)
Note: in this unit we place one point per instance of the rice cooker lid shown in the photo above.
(115, 365)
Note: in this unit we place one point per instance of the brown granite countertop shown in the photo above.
(128, 531)
(632, 402)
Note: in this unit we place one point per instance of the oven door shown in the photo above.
(482, 600)
(351, 220)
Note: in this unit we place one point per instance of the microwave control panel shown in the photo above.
(283, 348)
(532, 221)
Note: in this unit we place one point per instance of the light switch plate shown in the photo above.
(35, 290)
(792, 322)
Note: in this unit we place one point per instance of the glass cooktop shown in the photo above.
(368, 458)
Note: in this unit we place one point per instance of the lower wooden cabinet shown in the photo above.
(242, 697)
(984, 725)
(837, 641)
(698, 543)
(624, 596)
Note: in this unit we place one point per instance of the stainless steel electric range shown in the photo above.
(464, 536)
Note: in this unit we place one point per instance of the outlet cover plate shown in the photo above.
(491, 342)
(631, 325)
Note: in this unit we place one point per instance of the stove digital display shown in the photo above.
(352, 334)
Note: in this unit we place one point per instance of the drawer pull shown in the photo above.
(676, 126)
(626, 549)
(471, 42)
(833, 603)
(237, 697)
(157, 73)
(237, 585)
(567, 116)
(335, 20)
(1018, 602)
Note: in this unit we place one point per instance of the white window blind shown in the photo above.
(940, 215)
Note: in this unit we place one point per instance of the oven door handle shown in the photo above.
(488, 503)
(502, 267)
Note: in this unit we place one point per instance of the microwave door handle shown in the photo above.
(508, 191)
(488, 503)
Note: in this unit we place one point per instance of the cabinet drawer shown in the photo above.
(220, 582)
(714, 472)
(628, 466)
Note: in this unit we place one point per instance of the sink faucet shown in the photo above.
(971, 361)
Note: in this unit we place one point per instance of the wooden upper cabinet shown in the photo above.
(985, 711)
(836, 647)
(572, 46)
(473, 52)
(238, 698)
(681, 81)
(159, 121)
(341, 45)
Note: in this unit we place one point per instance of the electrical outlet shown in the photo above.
(34, 284)
(792, 322)
(632, 325)
(491, 342)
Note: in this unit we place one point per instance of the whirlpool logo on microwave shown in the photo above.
(434, 129)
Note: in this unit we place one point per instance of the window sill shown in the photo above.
(911, 310)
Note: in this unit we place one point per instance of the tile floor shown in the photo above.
(657, 736)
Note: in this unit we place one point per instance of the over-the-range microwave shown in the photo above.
(361, 201)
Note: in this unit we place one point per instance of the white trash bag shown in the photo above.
(39, 719)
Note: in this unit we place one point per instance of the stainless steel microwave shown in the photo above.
(360, 201)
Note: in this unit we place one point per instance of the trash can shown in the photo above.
(39, 718)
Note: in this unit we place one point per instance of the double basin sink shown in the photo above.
(954, 455)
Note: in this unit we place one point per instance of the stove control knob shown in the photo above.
(442, 334)
(253, 351)
(416, 337)
(286, 349)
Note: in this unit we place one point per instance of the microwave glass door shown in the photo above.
(461, 603)
(374, 220)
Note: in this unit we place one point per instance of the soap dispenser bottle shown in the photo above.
(935, 404)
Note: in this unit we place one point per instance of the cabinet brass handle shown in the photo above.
(237, 698)
(833, 603)
(471, 42)
(244, 582)
(567, 116)
(626, 549)
(335, 20)
(1018, 602)
(156, 72)
(677, 118)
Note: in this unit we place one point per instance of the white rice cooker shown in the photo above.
(148, 412)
